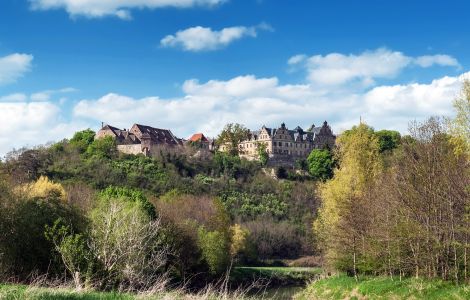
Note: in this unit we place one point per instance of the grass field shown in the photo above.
(343, 287)
(17, 292)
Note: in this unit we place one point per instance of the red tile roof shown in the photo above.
(198, 137)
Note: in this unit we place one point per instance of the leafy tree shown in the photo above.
(127, 245)
(232, 135)
(249, 206)
(82, 139)
(263, 155)
(131, 195)
(73, 250)
(44, 188)
(460, 125)
(102, 148)
(388, 140)
(320, 164)
(342, 218)
(215, 247)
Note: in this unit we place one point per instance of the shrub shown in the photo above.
(131, 195)
(127, 244)
(274, 240)
(215, 248)
(102, 148)
(82, 139)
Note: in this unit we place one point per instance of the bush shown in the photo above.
(215, 248)
(23, 246)
(131, 195)
(82, 139)
(127, 244)
(102, 148)
(199, 228)
(274, 240)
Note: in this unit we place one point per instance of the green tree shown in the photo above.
(388, 139)
(215, 247)
(343, 220)
(82, 139)
(320, 164)
(232, 135)
(460, 125)
(263, 155)
(131, 195)
(102, 148)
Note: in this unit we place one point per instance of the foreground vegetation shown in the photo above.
(94, 219)
(346, 287)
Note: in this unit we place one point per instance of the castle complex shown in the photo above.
(140, 139)
(284, 146)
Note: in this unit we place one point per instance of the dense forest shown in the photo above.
(378, 204)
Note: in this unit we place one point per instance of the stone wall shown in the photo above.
(130, 149)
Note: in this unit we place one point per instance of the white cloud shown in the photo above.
(439, 59)
(17, 97)
(296, 59)
(47, 94)
(255, 101)
(204, 38)
(118, 8)
(364, 68)
(14, 66)
(30, 124)
(249, 100)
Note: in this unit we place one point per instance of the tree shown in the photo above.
(44, 188)
(127, 245)
(232, 135)
(83, 139)
(320, 164)
(343, 221)
(460, 125)
(129, 194)
(388, 139)
(215, 247)
(102, 148)
(263, 155)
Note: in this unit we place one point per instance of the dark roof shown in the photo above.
(158, 135)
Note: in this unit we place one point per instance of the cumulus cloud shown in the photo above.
(32, 123)
(255, 101)
(339, 69)
(439, 59)
(14, 66)
(17, 97)
(204, 38)
(47, 94)
(118, 8)
(208, 106)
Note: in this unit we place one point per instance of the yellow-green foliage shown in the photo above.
(460, 125)
(239, 236)
(359, 159)
(44, 188)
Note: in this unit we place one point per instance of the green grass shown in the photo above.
(343, 287)
(17, 292)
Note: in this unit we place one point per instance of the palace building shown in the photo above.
(286, 144)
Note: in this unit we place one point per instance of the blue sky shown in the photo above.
(194, 65)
